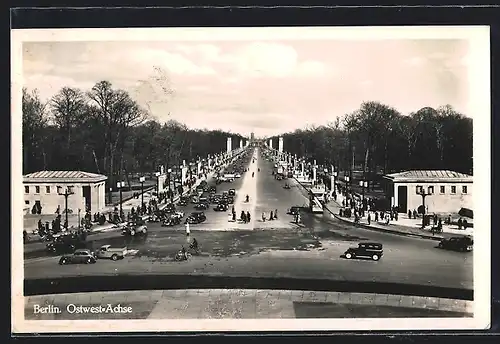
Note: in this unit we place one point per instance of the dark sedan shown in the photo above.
(196, 217)
(463, 244)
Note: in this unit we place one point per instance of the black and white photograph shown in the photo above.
(250, 179)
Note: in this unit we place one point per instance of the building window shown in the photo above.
(70, 189)
(453, 189)
(37, 189)
(441, 189)
(430, 190)
(47, 189)
(464, 189)
(27, 202)
(418, 189)
(27, 189)
(59, 189)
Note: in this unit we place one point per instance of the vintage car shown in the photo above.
(201, 206)
(196, 217)
(459, 243)
(113, 253)
(365, 250)
(169, 208)
(81, 256)
(232, 192)
(212, 189)
(171, 220)
(221, 207)
(66, 243)
(183, 201)
(135, 228)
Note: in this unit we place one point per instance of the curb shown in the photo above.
(377, 229)
(152, 281)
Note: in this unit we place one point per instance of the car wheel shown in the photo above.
(348, 255)
(114, 257)
(375, 257)
(440, 245)
(132, 232)
(89, 261)
(62, 262)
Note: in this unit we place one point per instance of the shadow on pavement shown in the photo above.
(154, 282)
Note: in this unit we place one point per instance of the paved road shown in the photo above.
(274, 248)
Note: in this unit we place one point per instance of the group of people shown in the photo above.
(272, 215)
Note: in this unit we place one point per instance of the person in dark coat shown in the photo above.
(248, 216)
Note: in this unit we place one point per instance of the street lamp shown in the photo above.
(79, 219)
(363, 184)
(169, 172)
(121, 185)
(422, 193)
(346, 178)
(157, 175)
(66, 194)
(142, 180)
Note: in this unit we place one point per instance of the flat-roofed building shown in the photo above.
(45, 189)
(448, 191)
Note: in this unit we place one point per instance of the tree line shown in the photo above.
(377, 139)
(103, 130)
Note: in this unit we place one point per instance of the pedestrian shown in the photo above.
(376, 216)
(396, 215)
(459, 223)
(263, 217)
(234, 217)
(275, 214)
(271, 216)
(188, 232)
(369, 219)
(248, 216)
(243, 217)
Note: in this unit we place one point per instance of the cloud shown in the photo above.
(174, 63)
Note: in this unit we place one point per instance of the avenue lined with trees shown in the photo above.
(103, 130)
(377, 139)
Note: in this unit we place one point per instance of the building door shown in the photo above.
(403, 199)
(87, 196)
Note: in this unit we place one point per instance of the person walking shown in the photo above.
(243, 217)
(248, 216)
(271, 216)
(275, 214)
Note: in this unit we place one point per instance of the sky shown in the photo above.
(266, 87)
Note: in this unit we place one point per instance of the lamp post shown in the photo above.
(79, 219)
(121, 185)
(363, 184)
(171, 194)
(142, 180)
(346, 178)
(422, 193)
(157, 175)
(66, 194)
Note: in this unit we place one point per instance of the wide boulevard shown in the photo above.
(277, 248)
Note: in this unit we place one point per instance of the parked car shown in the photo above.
(201, 206)
(169, 208)
(196, 217)
(221, 207)
(365, 250)
(66, 244)
(81, 256)
(232, 192)
(212, 189)
(183, 202)
(463, 243)
(294, 210)
(135, 228)
(108, 252)
(237, 175)
(171, 220)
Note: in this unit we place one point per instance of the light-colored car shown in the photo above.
(237, 175)
(179, 214)
(113, 253)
